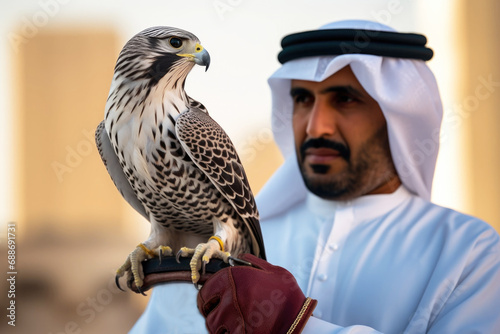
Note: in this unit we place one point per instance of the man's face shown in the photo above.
(341, 138)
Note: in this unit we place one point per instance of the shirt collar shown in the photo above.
(363, 208)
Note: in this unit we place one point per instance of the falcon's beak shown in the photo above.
(200, 56)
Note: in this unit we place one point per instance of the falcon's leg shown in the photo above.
(153, 247)
(133, 264)
(213, 248)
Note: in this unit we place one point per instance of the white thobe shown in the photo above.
(391, 263)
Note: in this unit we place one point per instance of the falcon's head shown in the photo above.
(156, 51)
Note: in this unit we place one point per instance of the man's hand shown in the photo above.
(261, 298)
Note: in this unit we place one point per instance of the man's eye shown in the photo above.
(301, 99)
(344, 98)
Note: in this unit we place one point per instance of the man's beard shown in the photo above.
(366, 171)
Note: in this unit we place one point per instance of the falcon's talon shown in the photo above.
(178, 256)
(117, 282)
(233, 261)
(184, 252)
(161, 250)
(140, 291)
(203, 265)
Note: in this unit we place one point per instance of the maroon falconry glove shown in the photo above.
(261, 298)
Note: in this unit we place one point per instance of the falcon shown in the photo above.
(171, 161)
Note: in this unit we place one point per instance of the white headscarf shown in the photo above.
(405, 90)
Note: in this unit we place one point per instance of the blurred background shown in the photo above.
(73, 229)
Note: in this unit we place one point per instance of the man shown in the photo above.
(348, 214)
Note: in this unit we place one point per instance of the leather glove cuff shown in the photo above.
(303, 316)
(260, 298)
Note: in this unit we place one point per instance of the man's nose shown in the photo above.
(322, 122)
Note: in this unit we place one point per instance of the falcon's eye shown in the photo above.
(175, 42)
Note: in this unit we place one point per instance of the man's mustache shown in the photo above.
(343, 150)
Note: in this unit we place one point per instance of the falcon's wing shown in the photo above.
(115, 170)
(210, 148)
